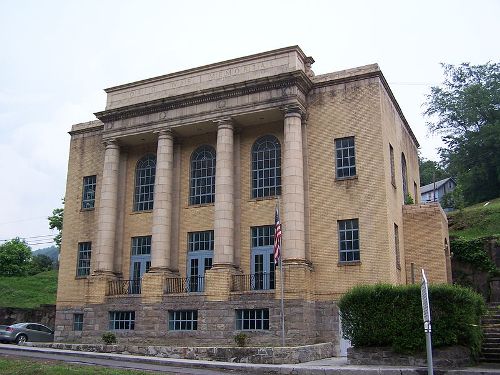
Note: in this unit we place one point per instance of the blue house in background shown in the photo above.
(434, 192)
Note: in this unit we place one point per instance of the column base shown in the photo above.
(218, 281)
(298, 282)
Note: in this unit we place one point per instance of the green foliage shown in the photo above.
(430, 170)
(476, 221)
(28, 291)
(241, 339)
(40, 263)
(14, 366)
(388, 315)
(409, 199)
(109, 338)
(15, 258)
(56, 222)
(471, 251)
(465, 109)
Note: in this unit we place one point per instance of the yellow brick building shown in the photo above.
(171, 194)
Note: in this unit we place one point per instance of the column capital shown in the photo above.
(293, 110)
(111, 143)
(164, 133)
(224, 123)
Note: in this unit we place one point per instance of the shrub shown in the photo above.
(109, 338)
(387, 315)
(241, 339)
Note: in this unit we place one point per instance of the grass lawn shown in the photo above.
(16, 366)
(476, 221)
(28, 291)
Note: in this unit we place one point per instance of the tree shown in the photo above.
(15, 258)
(430, 169)
(56, 222)
(40, 263)
(465, 110)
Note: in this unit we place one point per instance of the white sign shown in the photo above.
(424, 292)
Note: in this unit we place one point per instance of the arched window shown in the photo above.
(404, 174)
(145, 183)
(266, 167)
(202, 184)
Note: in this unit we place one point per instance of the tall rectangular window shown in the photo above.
(84, 255)
(349, 240)
(346, 161)
(88, 195)
(252, 319)
(77, 322)
(185, 320)
(396, 246)
(393, 170)
(121, 320)
(141, 245)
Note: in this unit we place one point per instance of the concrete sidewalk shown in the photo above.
(329, 366)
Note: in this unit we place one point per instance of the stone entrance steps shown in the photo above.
(491, 329)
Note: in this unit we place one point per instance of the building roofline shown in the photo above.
(359, 73)
(202, 68)
(430, 187)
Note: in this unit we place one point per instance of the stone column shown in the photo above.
(224, 196)
(218, 279)
(293, 187)
(106, 221)
(162, 208)
(297, 271)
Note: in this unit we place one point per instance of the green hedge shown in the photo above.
(387, 315)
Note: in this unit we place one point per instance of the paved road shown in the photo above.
(10, 350)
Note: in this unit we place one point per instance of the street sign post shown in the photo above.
(424, 293)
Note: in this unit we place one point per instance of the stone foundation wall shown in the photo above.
(306, 322)
(263, 355)
(456, 356)
(45, 314)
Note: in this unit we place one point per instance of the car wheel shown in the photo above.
(21, 339)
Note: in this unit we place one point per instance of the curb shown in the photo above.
(295, 369)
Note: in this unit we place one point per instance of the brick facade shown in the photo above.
(229, 106)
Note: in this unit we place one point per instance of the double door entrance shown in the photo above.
(139, 265)
(198, 263)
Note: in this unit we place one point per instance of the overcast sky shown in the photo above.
(56, 57)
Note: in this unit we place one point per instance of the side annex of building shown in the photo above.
(171, 196)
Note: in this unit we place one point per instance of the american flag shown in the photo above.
(277, 236)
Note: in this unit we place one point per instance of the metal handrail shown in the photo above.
(253, 281)
(124, 287)
(190, 284)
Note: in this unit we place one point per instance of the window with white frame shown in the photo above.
(202, 184)
(144, 183)
(84, 256)
(345, 158)
(78, 322)
(252, 319)
(121, 320)
(88, 194)
(266, 167)
(349, 240)
(183, 320)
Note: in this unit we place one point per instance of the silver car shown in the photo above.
(22, 332)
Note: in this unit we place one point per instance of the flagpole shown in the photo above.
(281, 282)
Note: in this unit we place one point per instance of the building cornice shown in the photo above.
(297, 78)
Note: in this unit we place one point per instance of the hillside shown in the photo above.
(29, 291)
(479, 220)
(52, 252)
